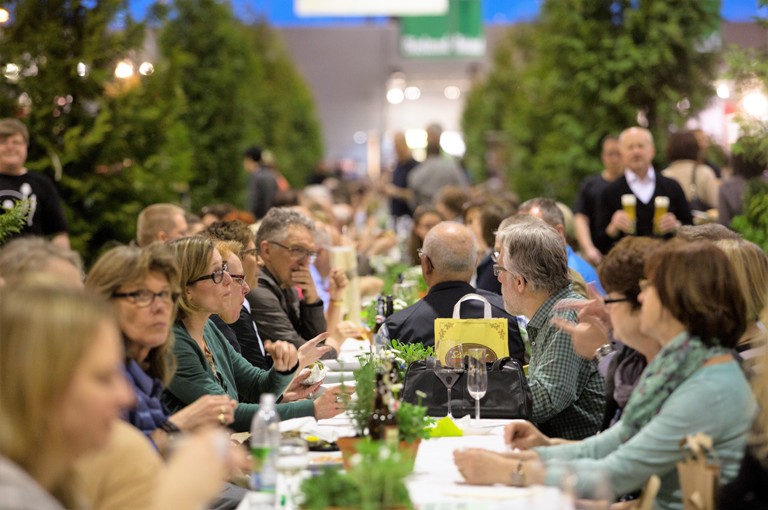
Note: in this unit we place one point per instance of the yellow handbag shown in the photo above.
(489, 332)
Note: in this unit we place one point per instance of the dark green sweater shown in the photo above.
(240, 380)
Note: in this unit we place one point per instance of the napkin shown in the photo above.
(307, 426)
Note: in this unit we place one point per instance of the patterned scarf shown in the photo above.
(674, 363)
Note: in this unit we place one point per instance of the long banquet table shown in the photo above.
(436, 484)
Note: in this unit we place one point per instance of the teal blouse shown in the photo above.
(239, 379)
(715, 400)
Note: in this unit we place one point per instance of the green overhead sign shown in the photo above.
(458, 33)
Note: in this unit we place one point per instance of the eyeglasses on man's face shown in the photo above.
(498, 269)
(217, 276)
(143, 298)
(297, 252)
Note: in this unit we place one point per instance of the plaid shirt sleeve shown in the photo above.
(554, 372)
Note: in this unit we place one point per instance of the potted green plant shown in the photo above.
(412, 420)
(374, 481)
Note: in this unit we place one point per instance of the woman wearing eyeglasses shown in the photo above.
(692, 306)
(142, 285)
(207, 363)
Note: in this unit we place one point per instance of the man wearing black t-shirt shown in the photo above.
(641, 180)
(587, 201)
(46, 216)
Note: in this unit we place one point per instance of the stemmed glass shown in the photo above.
(477, 377)
(292, 459)
(449, 369)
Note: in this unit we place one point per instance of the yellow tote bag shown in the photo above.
(489, 332)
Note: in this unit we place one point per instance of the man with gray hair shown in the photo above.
(161, 222)
(286, 245)
(448, 261)
(533, 270)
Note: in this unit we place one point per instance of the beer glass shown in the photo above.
(660, 208)
(628, 204)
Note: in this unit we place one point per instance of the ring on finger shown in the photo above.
(222, 419)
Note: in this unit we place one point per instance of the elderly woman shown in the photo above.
(142, 285)
(207, 363)
(692, 306)
(62, 390)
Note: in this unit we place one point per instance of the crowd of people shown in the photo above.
(117, 381)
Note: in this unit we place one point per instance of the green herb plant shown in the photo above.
(376, 481)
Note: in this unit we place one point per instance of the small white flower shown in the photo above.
(355, 459)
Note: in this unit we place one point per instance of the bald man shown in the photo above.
(448, 261)
(641, 180)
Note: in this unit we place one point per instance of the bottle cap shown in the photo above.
(267, 399)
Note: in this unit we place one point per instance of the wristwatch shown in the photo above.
(603, 351)
(517, 478)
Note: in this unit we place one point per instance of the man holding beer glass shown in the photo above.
(642, 202)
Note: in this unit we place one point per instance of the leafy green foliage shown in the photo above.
(753, 224)
(13, 219)
(412, 422)
(375, 482)
(411, 352)
(583, 71)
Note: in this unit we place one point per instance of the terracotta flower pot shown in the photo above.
(348, 447)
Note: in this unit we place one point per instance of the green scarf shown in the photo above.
(674, 363)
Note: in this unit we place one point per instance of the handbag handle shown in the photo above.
(477, 297)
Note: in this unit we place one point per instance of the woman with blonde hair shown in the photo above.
(62, 390)
(207, 363)
(750, 263)
(142, 285)
(749, 490)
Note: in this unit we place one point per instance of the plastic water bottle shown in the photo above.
(265, 441)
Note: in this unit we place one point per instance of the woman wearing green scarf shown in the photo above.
(692, 305)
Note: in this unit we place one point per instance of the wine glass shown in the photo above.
(450, 367)
(477, 377)
(292, 459)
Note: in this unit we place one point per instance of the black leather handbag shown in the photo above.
(508, 395)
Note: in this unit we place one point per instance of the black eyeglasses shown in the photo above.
(608, 301)
(238, 279)
(297, 252)
(217, 276)
(144, 297)
(498, 269)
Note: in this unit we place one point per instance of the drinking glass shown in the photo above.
(477, 377)
(450, 368)
(292, 459)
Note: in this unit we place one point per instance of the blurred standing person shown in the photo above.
(703, 142)
(640, 180)
(435, 172)
(585, 208)
(397, 190)
(46, 215)
(262, 185)
(745, 167)
(697, 179)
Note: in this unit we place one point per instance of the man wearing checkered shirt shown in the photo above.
(568, 396)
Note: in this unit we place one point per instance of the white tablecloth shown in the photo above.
(437, 485)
